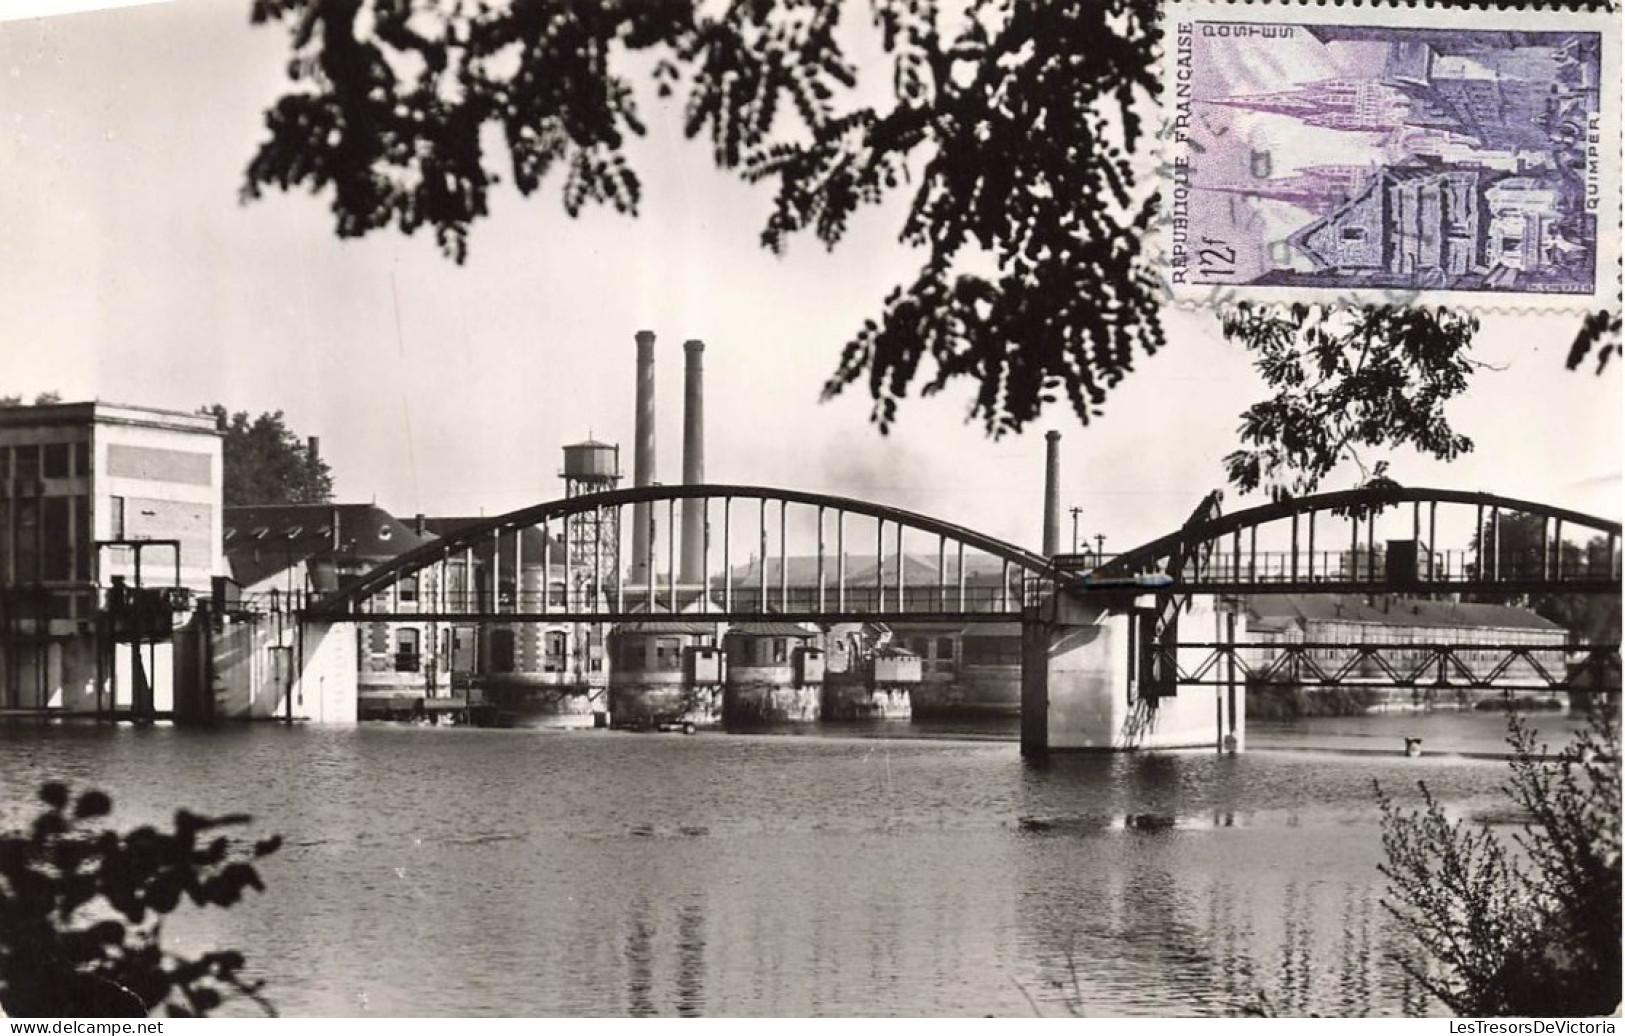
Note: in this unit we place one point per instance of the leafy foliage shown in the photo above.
(79, 901)
(43, 399)
(1013, 126)
(1346, 380)
(1001, 117)
(1518, 545)
(266, 463)
(1600, 331)
(1530, 933)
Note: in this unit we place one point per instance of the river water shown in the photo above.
(914, 870)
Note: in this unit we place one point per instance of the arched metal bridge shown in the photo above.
(812, 557)
(790, 554)
(1386, 538)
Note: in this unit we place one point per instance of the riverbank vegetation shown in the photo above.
(81, 907)
(1526, 926)
(1276, 702)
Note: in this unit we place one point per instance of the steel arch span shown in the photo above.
(794, 554)
(1331, 543)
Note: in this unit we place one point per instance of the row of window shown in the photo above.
(631, 655)
(31, 461)
(759, 651)
(1475, 659)
(501, 647)
(972, 650)
(409, 589)
(45, 539)
(26, 608)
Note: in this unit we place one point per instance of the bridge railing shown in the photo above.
(1444, 566)
(1386, 536)
(620, 602)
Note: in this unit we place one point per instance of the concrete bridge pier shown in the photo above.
(1081, 680)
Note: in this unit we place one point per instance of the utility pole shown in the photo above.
(1075, 512)
(1100, 549)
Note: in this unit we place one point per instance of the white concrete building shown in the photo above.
(90, 491)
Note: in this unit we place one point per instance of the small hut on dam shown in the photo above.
(775, 674)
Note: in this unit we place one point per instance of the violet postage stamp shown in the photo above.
(1369, 153)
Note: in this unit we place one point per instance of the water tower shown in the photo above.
(592, 539)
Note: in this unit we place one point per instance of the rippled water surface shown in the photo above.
(452, 871)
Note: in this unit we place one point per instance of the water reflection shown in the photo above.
(458, 872)
(640, 961)
(691, 959)
(1155, 940)
(1194, 906)
(1296, 973)
(1355, 956)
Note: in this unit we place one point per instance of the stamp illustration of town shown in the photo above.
(1350, 157)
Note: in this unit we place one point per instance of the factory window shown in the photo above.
(81, 458)
(758, 651)
(5, 540)
(60, 605)
(780, 650)
(27, 462)
(554, 646)
(57, 532)
(26, 545)
(626, 653)
(668, 653)
(409, 589)
(115, 517)
(56, 460)
(407, 657)
(5, 463)
(945, 649)
(502, 651)
(1353, 233)
(991, 650)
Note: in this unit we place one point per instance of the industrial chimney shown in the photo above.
(1052, 494)
(643, 457)
(693, 570)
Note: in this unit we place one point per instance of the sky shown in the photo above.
(133, 274)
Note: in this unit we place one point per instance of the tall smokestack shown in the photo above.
(643, 457)
(693, 571)
(1052, 493)
(313, 448)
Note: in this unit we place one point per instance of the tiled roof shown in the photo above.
(668, 626)
(1391, 610)
(263, 540)
(770, 629)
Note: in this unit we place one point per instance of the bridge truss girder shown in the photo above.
(1442, 665)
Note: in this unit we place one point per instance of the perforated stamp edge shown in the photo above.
(1607, 24)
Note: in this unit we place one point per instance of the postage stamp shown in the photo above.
(1362, 154)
